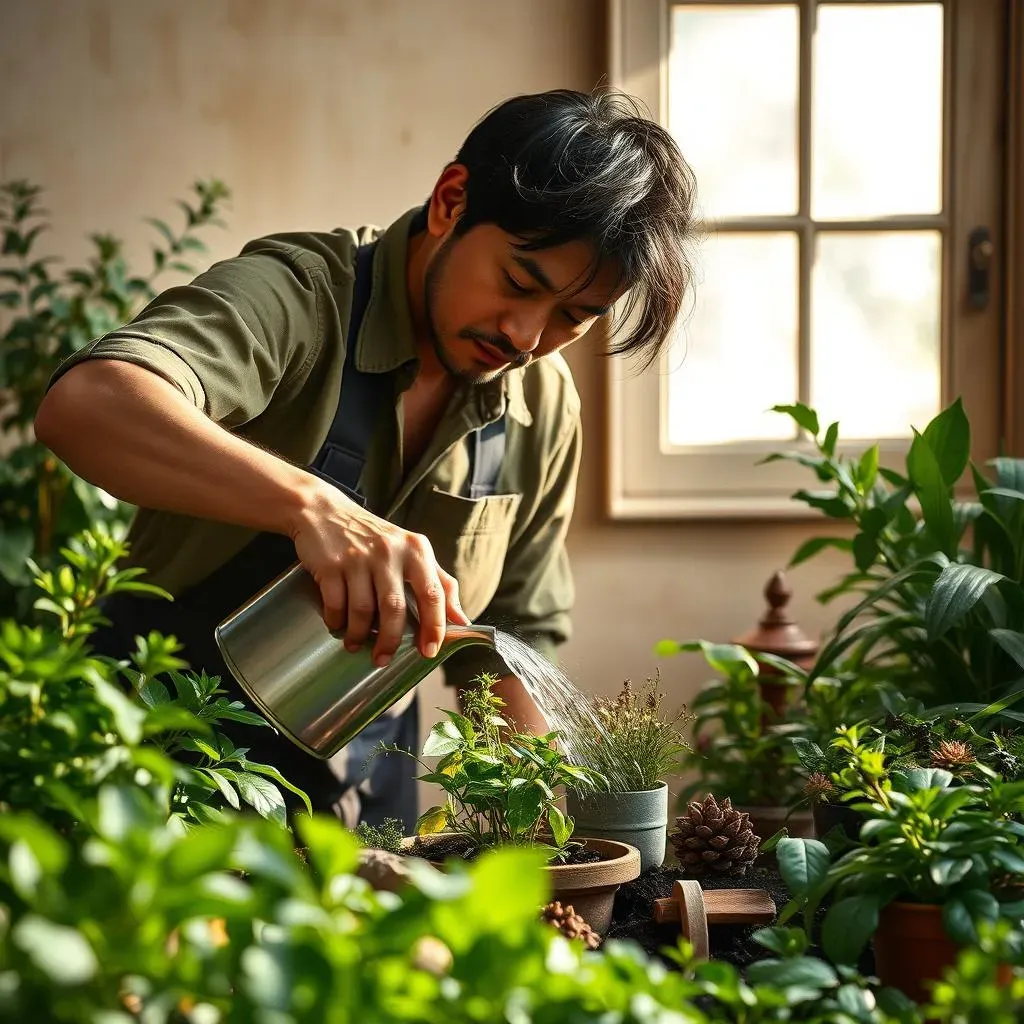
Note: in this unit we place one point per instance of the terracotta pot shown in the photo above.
(912, 948)
(827, 816)
(638, 818)
(589, 888)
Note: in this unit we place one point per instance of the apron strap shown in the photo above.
(363, 397)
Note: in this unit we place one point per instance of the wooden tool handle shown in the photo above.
(723, 906)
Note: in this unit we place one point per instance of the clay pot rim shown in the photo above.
(623, 854)
(597, 793)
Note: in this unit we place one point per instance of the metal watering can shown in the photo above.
(302, 678)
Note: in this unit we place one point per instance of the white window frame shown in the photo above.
(646, 476)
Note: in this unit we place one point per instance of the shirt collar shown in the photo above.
(386, 340)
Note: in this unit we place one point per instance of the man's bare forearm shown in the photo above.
(132, 433)
(520, 710)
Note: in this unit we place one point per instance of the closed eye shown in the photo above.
(514, 284)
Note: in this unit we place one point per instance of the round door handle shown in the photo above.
(982, 253)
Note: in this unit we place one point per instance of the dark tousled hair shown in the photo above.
(563, 166)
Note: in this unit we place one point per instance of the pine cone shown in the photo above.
(953, 755)
(570, 924)
(714, 837)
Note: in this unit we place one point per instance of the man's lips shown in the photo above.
(491, 355)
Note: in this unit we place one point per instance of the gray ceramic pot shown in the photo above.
(639, 819)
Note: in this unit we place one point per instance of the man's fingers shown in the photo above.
(430, 601)
(453, 610)
(333, 593)
(362, 604)
(392, 614)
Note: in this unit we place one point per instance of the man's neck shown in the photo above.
(430, 369)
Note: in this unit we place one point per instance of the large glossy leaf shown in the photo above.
(957, 590)
(803, 863)
(1012, 642)
(799, 971)
(933, 492)
(811, 547)
(63, 954)
(949, 437)
(848, 925)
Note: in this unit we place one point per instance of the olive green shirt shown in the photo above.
(258, 343)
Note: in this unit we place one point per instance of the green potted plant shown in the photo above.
(45, 316)
(938, 594)
(741, 750)
(71, 722)
(502, 789)
(934, 860)
(634, 745)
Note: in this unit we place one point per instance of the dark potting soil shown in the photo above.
(633, 917)
(440, 847)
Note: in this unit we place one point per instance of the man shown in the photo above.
(433, 347)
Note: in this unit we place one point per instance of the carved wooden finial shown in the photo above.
(777, 632)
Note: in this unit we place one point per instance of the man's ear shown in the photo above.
(447, 201)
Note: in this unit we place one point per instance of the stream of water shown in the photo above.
(566, 708)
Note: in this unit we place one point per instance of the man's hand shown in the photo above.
(175, 458)
(362, 564)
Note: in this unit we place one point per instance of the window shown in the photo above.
(849, 166)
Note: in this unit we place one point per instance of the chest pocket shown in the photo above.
(470, 537)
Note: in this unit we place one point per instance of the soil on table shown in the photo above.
(439, 848)
(633, 916)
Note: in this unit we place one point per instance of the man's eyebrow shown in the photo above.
(534, 269)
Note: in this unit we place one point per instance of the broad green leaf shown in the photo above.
(432, 821)
(510, 882)
(799, 971)
(933, 493)
(63, 954)
(225, 787)
(561, 828)
(272, 773)
(949, 437)
(122, 810)
(803, 863)
(46, 845)
(200, 852)
(867, 468)
(915, 780)
(802, 414)
(332, 849)
(128, 716)
(1012, 642)
(865, 550)
(444, 738)
(949, 871)
(957, 590)
(525, 803)
(848, 926)
(1009, 859)
(828, 445)
(262, 795)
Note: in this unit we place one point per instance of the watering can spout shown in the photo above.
(303, 679)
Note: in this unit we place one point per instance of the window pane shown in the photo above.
(732, 105)
(877, 122)
(738, 354)
(875, 350)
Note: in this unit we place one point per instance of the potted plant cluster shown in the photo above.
(502, 788)
(634, 745)
(934, 860)
(121, 901)
(45, 316)
(741, 749)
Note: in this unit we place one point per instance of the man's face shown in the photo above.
(491, 306)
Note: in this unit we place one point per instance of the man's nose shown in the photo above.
(524, 328)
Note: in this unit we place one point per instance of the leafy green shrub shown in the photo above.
(740, 749)
(71, 721)
(47, 318)
(923, 840)
(500, 786)
(940, 592)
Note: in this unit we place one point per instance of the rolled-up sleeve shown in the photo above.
(228, 338)
(536, 591)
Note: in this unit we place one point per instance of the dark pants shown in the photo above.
(385, 788)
